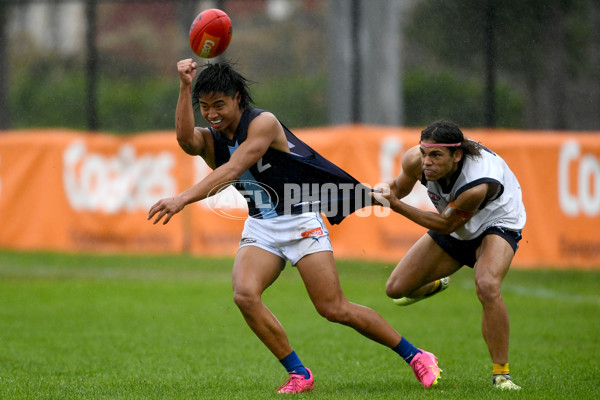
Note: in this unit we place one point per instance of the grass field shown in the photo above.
(129, 327)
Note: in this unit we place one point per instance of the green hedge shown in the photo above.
(45, 94)
(430, 96)
(60, 100)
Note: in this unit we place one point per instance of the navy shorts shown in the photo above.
(464, 250)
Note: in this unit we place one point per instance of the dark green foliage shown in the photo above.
(430, 96)
(298, 101)
(53, 93)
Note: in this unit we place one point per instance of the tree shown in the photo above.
(538, 44)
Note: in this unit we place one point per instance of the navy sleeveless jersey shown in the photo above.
(292, 183)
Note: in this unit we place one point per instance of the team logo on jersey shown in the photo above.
(226, 201)
(435, 199)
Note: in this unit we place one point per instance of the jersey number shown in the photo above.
(261, 167)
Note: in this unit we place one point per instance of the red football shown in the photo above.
(210, 33)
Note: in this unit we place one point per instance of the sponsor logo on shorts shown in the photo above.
(313, 233)
(247, 241)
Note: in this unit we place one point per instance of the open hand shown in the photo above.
(165, 208)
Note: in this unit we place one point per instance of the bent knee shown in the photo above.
(334, 313)
(488, 290)
(395, 289)
(245, 300)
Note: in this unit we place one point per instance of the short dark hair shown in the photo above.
(218, 78)
(444, 131)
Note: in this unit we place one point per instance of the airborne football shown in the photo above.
(210, 33)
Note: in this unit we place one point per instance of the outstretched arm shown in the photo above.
(454, 216)
(262, 132)
(403, 184)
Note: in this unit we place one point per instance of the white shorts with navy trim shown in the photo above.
(290, 237)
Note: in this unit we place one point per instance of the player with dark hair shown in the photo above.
(479, 222)
(221, 78)
(247, 146)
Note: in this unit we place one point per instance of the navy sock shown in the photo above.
(406, 350)
(293, 365)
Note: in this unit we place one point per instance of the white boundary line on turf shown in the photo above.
(543, 293)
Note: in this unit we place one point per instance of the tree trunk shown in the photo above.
(556, 67)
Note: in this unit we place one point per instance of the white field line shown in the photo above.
(543, 293)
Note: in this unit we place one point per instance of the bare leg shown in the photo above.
(495, 256)
(419, 268)
(320, 277)
(255, 270)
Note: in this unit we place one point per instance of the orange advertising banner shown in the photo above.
(68, 190)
